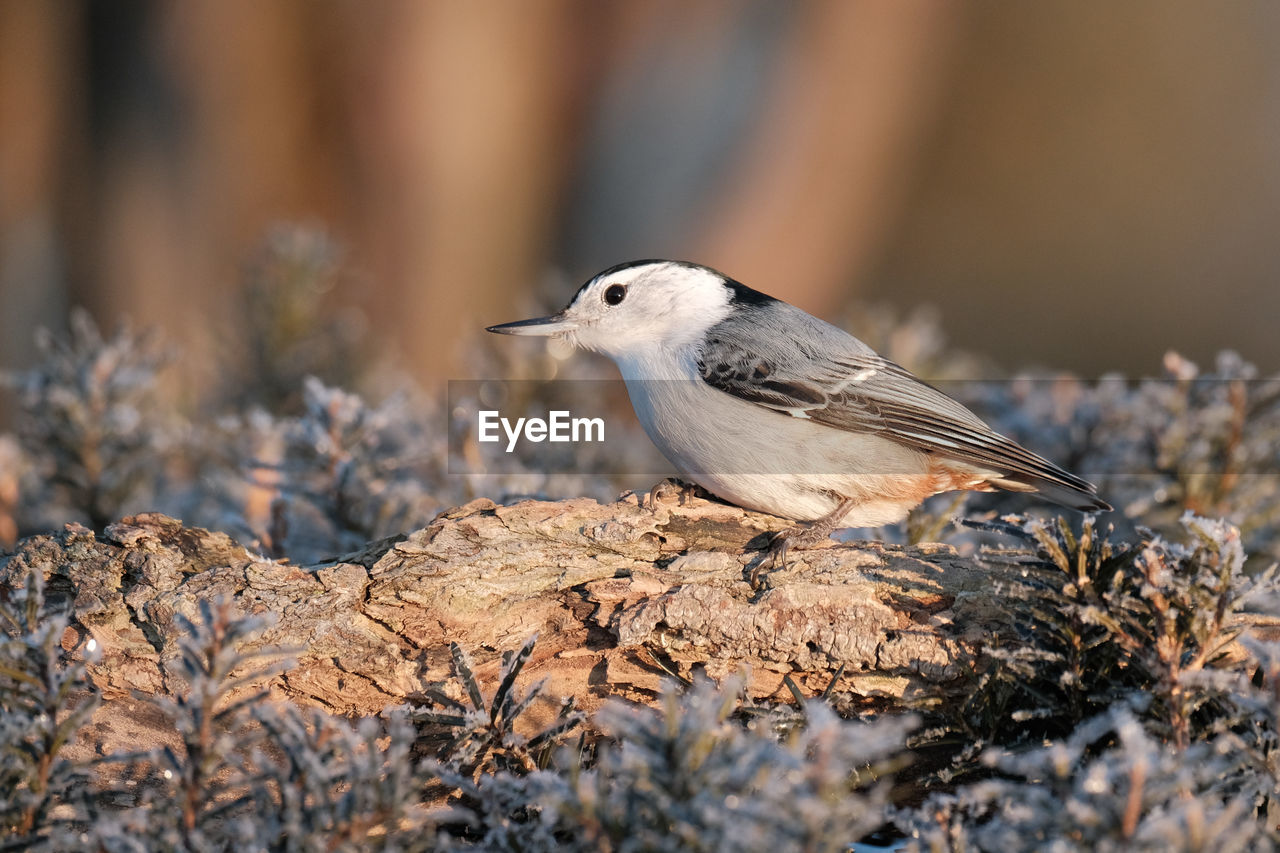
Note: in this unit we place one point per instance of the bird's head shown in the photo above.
(638, 306)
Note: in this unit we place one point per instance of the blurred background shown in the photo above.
(1077, 185)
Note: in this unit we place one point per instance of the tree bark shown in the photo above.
(620, 594)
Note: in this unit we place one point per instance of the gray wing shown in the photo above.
(786, 360)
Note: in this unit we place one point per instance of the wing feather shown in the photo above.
(835, 380)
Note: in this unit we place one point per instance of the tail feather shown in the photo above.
(1084, 498)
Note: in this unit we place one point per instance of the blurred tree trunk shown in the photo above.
(463, 127)
(823, 179)
(37, 105)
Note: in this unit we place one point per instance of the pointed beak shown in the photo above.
(539, 326)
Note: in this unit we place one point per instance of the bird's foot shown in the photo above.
(800, 536)
(672, 489)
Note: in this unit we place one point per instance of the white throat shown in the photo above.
(658, 362)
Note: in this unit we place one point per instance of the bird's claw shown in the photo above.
(775, 557)
(800, 536)
(672, 489)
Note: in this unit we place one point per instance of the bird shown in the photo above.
(772, 409)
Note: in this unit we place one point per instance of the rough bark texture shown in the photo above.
(616, 592)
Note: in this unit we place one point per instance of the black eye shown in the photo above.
(615, 294)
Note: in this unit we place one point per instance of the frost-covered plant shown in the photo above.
(246, 773)
(361, 464)
(1090, 622)
(687, 776)
(1135, 792)
(209, 792)
(479, 736)
(1249, 730)
(89, 422)
(344, 785)
(1198, 441)
(254, 775)
(44, 700)
(1183, 754)
(327, 481)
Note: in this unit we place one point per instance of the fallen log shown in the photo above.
(621, 595)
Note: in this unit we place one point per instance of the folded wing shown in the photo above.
(837, 381)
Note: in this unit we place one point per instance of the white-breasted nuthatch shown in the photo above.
(774, 410)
